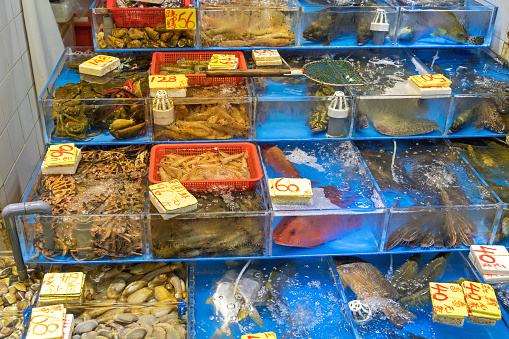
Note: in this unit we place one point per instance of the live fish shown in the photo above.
(312, 231)
(406, 272)
(279, 281)
(488, 117)
(233, 305)
(462, 120)
(371, 287)
(276, 159)
(399, 126)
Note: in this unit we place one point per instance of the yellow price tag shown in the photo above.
(172, 195)
(448, 300)
(60, 155)
(99, 61)
(223, 61)
(481, 298)
(47, 322)
(168, 81)
(265, 335)
(290, 187)
(430, 80)
(62, 284)
(180, 18)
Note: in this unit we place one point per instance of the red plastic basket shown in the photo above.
(138, 17)
(163, 58)
(253, 162)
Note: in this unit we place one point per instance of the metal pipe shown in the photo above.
(8, 214)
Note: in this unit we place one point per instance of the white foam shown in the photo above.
(300, 157)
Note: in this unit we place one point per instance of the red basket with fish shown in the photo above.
(207, 167)
(171, 58)
(138, 17)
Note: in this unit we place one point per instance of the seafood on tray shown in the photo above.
(107, 181)
(145, 37)
(208, 233)
(17, 295)
(205, 166)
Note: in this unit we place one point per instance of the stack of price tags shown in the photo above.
(266, 57)
(170, 197)
(175, 85)
(62, 288)
(223, 61)
(449, 306)
(482, 303)
(61, 159)
(430, 85)
(491, 261)
(290, 191)
(48, 323)
(99, 65)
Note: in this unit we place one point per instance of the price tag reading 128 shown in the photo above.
(180, 18)
(169, 81)
(265, 335)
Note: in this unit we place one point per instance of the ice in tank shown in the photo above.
(387, 105)
(121, 25)
(345, 206)
(96, 212)
(292, 298)
(347, 23)
(396, 290)
(479, 87)
(248, 23)
(443, 23)
(436, 200)
(83, 108)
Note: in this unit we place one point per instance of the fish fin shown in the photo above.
(255, 316)
(436, 35)
(243, 313)
(327, 41)
(210, 300)
(442, 31)
(398, 316)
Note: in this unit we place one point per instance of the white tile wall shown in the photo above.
(499, 42)
(21, 143)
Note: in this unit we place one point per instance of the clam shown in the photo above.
(172, 333)
(160, 279)
(9, 298)
(161, 293)
(3, 288)
(20, 286)
(175, 281)
(158, 332)
(162, 310)
(5, 272)
(135, 333)
(108, 315)
(133, 287)
(116, 287)
(140, 296)
(126, 318)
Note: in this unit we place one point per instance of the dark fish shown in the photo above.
(423, 296)
(488, 116)
(432, 271)
(398, 126)
(279, 281)
(462, 120)
(371, 287)
(406, 272)
(362, 121)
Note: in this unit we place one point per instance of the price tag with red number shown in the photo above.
(61, 155)
(265, 335)
(172, 195)
(490, 258)
(448, 300)
(180, 18)
(481, 299)
(47, 322)
(167, 81)
(223, 61)
(430, 80)
(62, 284)
(290, 187)
(100, 61)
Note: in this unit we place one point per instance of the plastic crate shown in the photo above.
(162, 58)
(138, 17)
(253, 162)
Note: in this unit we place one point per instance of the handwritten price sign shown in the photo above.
(448, 299)
(481, 298)
(168, 81)
(99, 61)
(60, 284)
(47, 322)
(180, 18)
(289, 187)
(172, 195)
(431, 80)
(265, 335)
(490, 259)
(223, 61)
(61, 155)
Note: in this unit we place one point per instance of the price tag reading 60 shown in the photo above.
(180, 18)
(284, 188)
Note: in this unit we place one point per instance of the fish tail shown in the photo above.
(398, 316)
(221, 333)
(255, 316)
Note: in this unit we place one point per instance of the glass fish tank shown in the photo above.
(96, 212)
(388, 106)
(85, 109)
(395, 289)
(347, 23)
(445, 23)
(292, 298)
(437, 201)
(345, 206)
(246, 23)
(224, 224)
(480, 88)
(122, 25)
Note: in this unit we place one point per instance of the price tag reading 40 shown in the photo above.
(180, 18)
(61, 155)
(265, 335)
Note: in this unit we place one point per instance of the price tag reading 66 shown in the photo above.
(180, 18)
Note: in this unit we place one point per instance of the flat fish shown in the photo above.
(398, 126)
